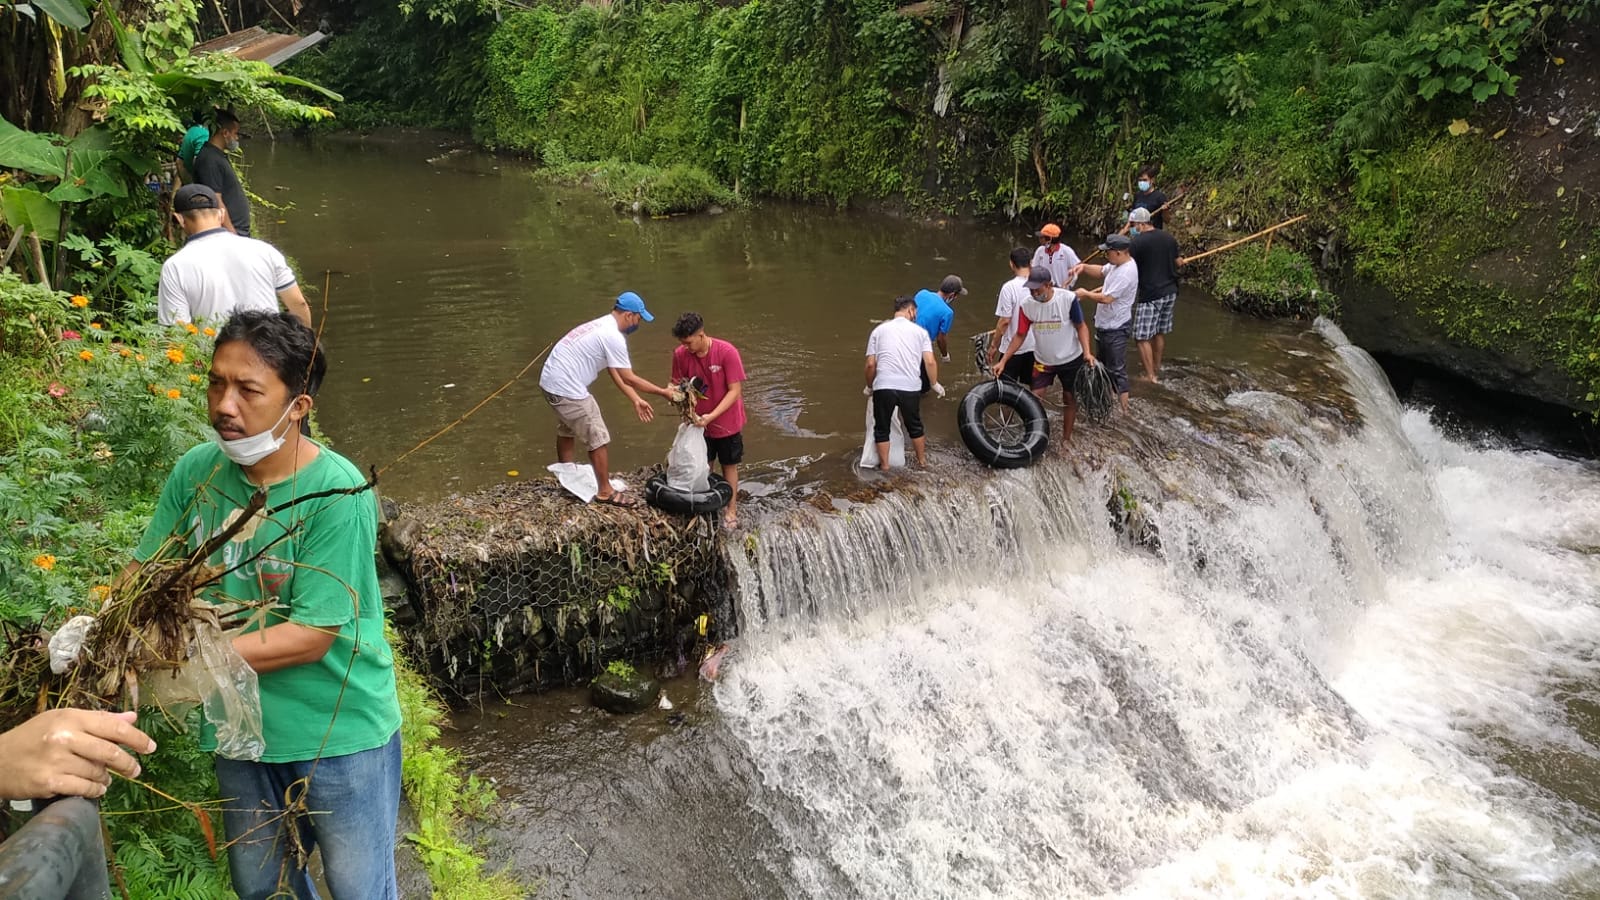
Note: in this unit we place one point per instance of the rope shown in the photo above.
(464, 416)
(1092, 387)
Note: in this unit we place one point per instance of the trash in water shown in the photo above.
(713, 663)
(665, 703)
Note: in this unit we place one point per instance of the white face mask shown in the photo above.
(247, 451)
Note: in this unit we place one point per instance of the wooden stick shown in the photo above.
(1243, 240)
(38, 258)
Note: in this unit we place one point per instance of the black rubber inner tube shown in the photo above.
(664, 497)
(1003, 424)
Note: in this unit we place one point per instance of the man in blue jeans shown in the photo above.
(329, 767)
(1117, 294)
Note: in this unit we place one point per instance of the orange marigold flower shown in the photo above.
(189, 327)
(95, 325)
(45, 561)
(86, 355)
(193, 378)
(80, 300)
(126, 353)
(208, 331)
(101, 591)
(138, 357)
(175, 355)
(174, 393)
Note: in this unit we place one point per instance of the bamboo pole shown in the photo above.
(1244, 240)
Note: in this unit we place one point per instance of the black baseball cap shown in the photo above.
(1039, 276)
(191, 197)
(1117, 242)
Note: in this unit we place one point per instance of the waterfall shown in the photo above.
(1351, 662)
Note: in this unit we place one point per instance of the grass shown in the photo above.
(646, 190)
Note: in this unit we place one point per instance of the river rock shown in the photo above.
(623, 695)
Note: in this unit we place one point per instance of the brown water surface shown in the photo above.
(447, 277)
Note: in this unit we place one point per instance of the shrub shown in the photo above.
(1276, 282)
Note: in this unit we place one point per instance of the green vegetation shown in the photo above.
(619, 669)
(1262, 109)
(1271, 282)
(440, 797)
(646, 190)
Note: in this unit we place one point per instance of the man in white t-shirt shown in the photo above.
(1113, 324)
(218, 273)
(897, 351)
(1055, 256)
(1012, 294)
(1052, 317)
(575, 362)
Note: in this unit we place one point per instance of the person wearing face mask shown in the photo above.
(596, 346)
(330, 717)
(212, 169)
(1148, 196)
(1055, 256)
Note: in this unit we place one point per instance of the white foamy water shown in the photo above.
(1336, 683)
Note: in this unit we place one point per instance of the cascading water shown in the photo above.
(1353, 669)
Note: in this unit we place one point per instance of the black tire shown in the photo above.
(659, 494)
(1004, 444)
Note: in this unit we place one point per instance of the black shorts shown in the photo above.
(1066, 373)
(727, 450)
(884, 403)
(1019, 368)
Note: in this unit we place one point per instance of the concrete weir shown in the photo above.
(519, 586)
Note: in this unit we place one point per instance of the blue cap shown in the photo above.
(628, 301)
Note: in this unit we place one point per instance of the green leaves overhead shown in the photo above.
(96, 170)
(68, 13)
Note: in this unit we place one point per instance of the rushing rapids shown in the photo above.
(1275, 636)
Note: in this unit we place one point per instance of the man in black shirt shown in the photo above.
(212, 169)
(1149, 196)
(1156, 253)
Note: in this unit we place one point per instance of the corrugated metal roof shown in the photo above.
(259, 44)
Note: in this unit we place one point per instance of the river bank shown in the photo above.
(1485, 239)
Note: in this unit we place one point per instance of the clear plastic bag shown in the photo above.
(223, 684)
(897, 442)
(688, 467)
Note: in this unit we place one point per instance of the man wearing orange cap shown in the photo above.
(1055, 256)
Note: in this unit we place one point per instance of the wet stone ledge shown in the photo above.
(520, 587)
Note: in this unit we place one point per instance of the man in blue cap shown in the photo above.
(575, 362)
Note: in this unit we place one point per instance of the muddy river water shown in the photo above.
(446, 278)
(1363, 663)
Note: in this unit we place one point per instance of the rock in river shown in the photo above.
(623, 694)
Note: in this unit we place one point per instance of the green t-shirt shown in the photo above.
(322, 573)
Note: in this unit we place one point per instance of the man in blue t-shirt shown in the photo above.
(935, 315)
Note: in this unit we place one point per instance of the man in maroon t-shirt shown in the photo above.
(716, 363)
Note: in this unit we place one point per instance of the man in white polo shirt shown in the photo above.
(1113, 324)
(218, 273)
(576, 361)
(897, 351)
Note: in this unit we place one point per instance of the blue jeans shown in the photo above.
(354, 802)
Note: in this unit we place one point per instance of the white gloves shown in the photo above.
(938, 390)
(945, 358)
(68, 641)
(866, 391)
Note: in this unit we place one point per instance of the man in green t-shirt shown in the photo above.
(330, 717)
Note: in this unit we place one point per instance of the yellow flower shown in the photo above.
(125, 352)
(45, 561)
(95, 325)
(80, 300)
(193, 378)
(101, 591)
(175, 355)
(208, 331)
(86, 355)
(189, 327)
(174, 393)
(138, 357)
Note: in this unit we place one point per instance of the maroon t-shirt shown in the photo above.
(720, 369)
